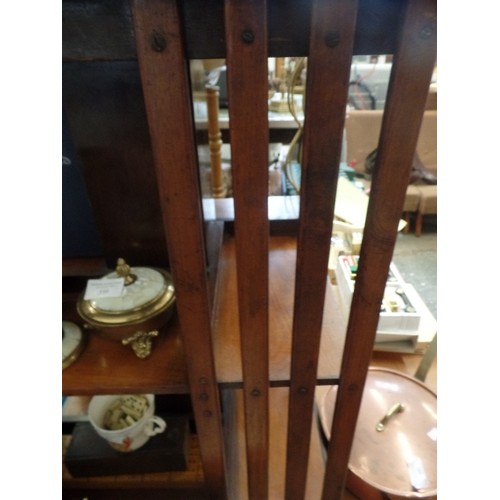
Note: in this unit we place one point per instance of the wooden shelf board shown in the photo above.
(282, 275)
(107, 367)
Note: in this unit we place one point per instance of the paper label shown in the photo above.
(104, 288)
(433, 434)
(418, 477)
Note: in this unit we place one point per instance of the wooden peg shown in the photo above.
(215, 141)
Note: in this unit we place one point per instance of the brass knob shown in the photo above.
(123, 270)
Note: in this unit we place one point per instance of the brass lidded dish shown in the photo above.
(135, 317)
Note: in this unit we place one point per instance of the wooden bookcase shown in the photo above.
(126, 96)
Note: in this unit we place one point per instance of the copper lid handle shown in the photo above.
(397, 408)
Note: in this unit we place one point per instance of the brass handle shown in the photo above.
(397, 408)
(141, 343)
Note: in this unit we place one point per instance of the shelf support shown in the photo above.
(247, 82)
(328, 68)
(164, 74)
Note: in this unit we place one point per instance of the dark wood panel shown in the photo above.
(102, 29)
(97, 30)
(107, 121)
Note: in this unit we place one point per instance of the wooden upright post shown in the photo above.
(246, 40)
(163, 69)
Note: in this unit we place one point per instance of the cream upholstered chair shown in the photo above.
(362, 132)
(427, 205)
(411, 204)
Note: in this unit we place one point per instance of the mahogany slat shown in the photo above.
(328, 70)
(408, 88)
(166, 88)
(247, 83)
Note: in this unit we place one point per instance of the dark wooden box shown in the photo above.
(88, 454)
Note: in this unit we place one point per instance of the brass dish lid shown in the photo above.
(147, 293)
(395, 443)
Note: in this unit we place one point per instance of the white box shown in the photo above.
(394, 316)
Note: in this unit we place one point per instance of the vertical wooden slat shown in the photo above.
(246, 37)
(167, 96)
(328, 69)
(408, 88)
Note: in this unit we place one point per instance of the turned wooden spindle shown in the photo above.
(215, 142)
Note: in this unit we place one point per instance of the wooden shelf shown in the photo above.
(282, 275)
(106, 367)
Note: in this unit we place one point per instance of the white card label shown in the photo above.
(104, 288)
(418, 477)
(433, 434)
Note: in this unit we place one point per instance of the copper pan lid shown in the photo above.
(395, 443)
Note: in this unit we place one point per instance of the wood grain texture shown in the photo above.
(328, 70)
(166, 90)
(226, 336)
(246, 38)
(412, 70)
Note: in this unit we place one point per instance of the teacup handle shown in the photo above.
(155, 425)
